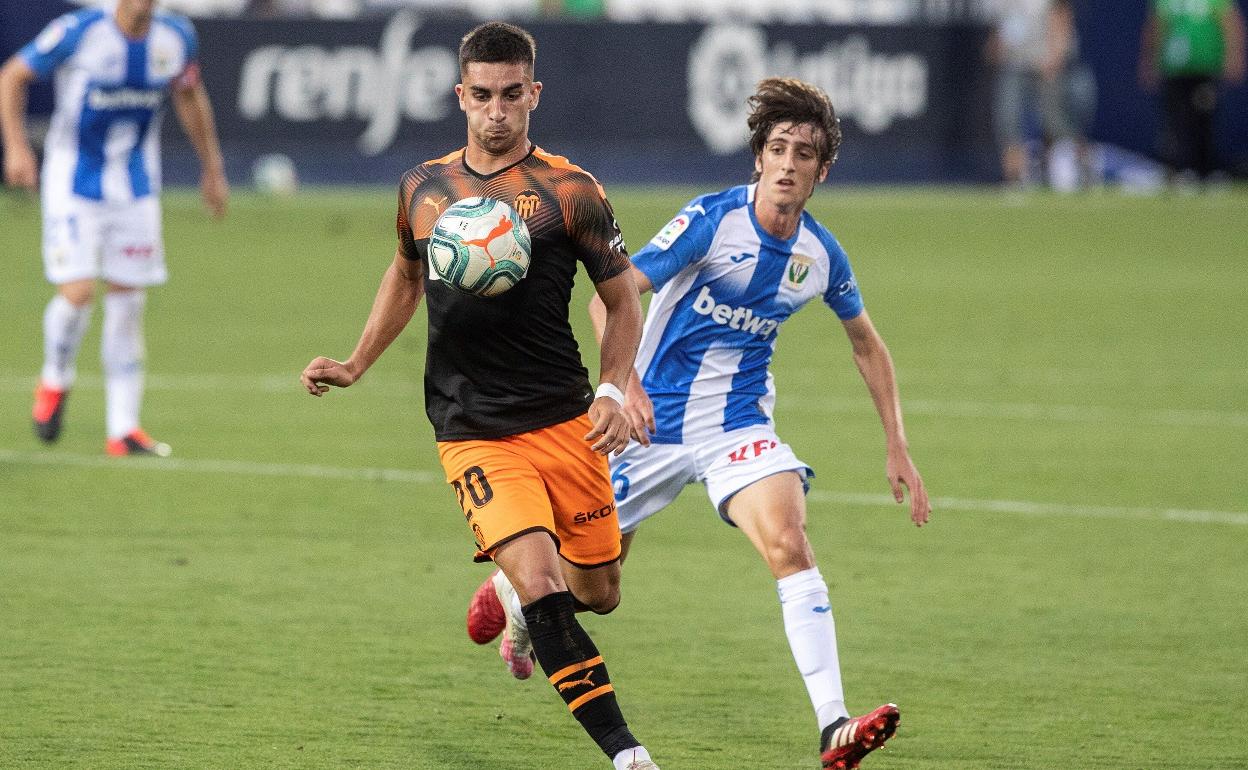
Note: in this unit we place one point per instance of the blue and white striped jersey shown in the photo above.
(723, 287)
(104, 140)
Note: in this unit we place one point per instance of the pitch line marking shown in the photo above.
(289, 384)
(227, 467)
(411, 476)
(1030, 508)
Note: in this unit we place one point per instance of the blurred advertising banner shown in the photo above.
(360, 101)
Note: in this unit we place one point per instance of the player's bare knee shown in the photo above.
(788, 550)
(531, 586)
(605, 600)
(79, 293)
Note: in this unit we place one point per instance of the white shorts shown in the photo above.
(118, 242)
(648, 479)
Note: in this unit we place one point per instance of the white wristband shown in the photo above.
(607, 390)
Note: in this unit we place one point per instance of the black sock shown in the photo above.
(573, 665)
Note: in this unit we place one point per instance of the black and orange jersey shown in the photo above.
(504, 365)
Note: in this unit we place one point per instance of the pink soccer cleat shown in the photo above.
(486, 617)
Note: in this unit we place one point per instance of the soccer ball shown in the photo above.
(480, 246)
(274, 174)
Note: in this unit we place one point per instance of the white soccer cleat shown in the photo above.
(516, 649)
(641, 764)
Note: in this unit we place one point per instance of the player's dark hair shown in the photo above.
(787, 100)
(497, 42)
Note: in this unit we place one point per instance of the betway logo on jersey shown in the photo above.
(100, 99)
(741, 318)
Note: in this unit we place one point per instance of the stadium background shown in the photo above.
(352, 99)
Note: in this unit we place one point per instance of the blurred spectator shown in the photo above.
(1034, 50)
(576, 9)
(1186, 46)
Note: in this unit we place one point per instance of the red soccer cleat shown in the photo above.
(136, 442)
(486, 617)
(853, 739)
(48, 411)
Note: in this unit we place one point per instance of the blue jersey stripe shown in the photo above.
(140, 181)
(749, 384)
(89, 170)
(136, 77)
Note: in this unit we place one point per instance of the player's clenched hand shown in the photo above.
(20, 167)
(640, 411)
(323, 372)
(901, 472)
(610, 426)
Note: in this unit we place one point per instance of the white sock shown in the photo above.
(122, 353)
(510, 601)
(64, 324)
(516, 612)
(812, 637)
(622, 760)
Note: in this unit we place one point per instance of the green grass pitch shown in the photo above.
(288, 590)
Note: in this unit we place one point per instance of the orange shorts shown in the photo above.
(546, 480)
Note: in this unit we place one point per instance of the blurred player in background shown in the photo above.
(100, 187)
(521, 434)
(1186, 46)
(1034, 51)
(728, 270)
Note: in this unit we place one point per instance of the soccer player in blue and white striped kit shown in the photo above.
(114, 66)
(727, 271)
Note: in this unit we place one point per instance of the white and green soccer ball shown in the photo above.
(480, 246)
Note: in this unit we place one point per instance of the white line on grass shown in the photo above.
(1027, 508)
(404, 476)
(976, 410)
(228, 467)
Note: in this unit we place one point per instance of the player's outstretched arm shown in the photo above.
(20, 167)
(638, 408)
(194, 112)
(620, 336)
(876, 366)
(397, 299)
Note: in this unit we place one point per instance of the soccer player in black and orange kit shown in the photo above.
(521, 435)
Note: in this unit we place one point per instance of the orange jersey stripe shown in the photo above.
(564, 673)
(587, 697)
(559, 161)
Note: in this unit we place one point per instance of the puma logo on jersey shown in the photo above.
(437, 205)
(502, 228)
(741, 318)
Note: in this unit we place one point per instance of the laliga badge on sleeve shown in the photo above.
(671, 231)
(51, 37)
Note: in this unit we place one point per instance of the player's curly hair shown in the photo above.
(497, 42)
(788, 100)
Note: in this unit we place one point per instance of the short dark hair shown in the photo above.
(497, 42)
(788, 100)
